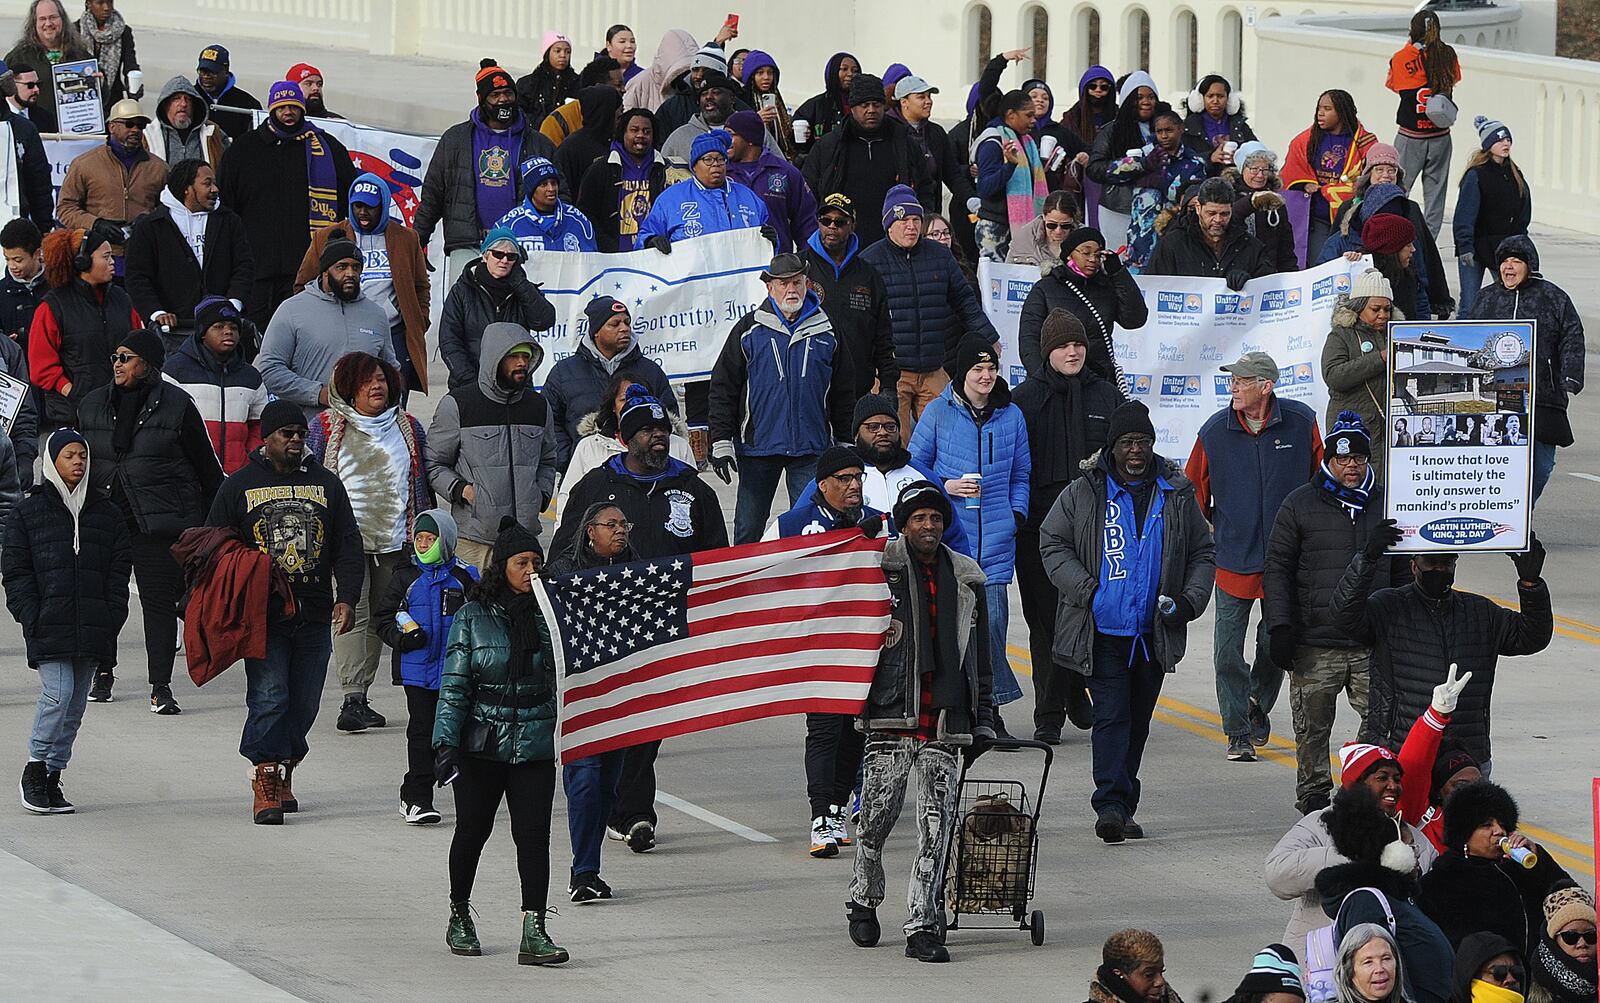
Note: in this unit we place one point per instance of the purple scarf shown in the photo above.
(322, 176)
(633, 194)
(494, 163)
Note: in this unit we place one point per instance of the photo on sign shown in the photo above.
(1460, 428)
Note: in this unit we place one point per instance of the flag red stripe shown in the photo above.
(711, 566)
(701, 595)
(814, 705)
(861, 674)
(821, 643)
(758, 618)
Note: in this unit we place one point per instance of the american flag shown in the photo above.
(677, 645)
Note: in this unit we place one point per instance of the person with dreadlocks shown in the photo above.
(1325, 161)
(1424, 73)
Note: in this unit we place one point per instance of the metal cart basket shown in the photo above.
(994, 852)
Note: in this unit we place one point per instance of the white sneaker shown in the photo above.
(823, 841)
(841, 832)
(418, 814)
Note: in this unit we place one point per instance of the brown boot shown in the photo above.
(285, 794)
(268, 785)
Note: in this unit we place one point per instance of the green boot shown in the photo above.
(461, 935)
(537, 948)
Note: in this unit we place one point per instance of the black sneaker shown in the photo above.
(59, 805)
(161, 701)
(1260, 727)
(351, 720)
(588, 888)
(641, 836)
(864, 929)
(372, 717)
(1049, 736)
(1111, 826)
(1000, 726)
(924, 946)
(100, 692)
(1132, 829)
(35, 788)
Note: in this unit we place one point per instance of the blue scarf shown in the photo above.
(494, 165)
(322, 177)
(1353, 499)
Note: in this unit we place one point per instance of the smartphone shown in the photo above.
(732, 22)
(769, 100)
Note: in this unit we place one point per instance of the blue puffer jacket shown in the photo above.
(430, 594)
(566, 229)
(690, 209)
(781, 388)
(931, 306)
(950, 441)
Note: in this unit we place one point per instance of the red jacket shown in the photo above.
(229, 584)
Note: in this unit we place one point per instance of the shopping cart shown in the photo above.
(993, 856)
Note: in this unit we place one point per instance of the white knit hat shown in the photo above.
(1371, 283)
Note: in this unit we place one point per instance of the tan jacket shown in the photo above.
(97, 187)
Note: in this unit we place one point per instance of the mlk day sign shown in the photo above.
(1197, 325)
(78, 109)
(1460, 435)
(683, 304)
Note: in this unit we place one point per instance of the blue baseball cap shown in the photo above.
(213, 57)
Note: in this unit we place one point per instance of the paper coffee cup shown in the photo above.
(802, 130)
(1229, 146)
(1047, 146)
(135, 81)
(976, 501)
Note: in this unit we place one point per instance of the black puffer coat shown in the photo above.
(1182, 250)
(1057, 452)
(1465, 895)
(1415, 639)
(473, 304)
(1558, 353)
(931, 306)
(169, 476)
(70, 605)
(545, 89)
(1103, 302)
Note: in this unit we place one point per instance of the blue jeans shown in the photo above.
(284, 690)
(1005, 681)
(63, 694)
(758, 483)
(1544, 464)
(1471, 281)
(1239, 681)
(591, 786)
(1124, 686)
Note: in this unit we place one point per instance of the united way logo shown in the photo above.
(1017, 291)
(1333, 285)
(1222, 384)
(1280, 299)
(1140, 382)
(1172, 302)
(1180, 386)
(1302, 373)
(1237, 304)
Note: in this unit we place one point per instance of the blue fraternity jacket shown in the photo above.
(690, 209)
(566, 229)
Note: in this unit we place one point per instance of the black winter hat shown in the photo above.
(147, 345)
(866, 87)
(1131, 417)
(1448, 764)
(279, 414)
(835, 459)
(969, 353)
(514, 539)
(214, 310)
(337, 250)
(1472, 806)
(873, 405)
(920, 495)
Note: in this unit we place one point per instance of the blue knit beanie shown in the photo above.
(1490, 131)
(715, 141)
(535, 170)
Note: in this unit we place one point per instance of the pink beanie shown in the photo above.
(1383, 153)
(551, 38)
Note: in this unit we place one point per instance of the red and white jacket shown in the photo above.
(229, 396)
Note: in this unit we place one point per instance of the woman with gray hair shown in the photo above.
(1368, 967)
(1259, 203)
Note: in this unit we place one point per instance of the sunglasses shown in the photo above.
(30, 84)
(1572, 938)
(1098, 85)
(1500, 972)
(1052, 227)
(292, 433)
(504, 255)
(123, 358)
(833, 222)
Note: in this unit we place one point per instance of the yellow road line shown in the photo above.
(1592, 637)
(1183, 716)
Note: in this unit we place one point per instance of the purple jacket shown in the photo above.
(791, 208)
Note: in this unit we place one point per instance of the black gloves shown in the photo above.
(1182, 611)
(1384, 535)
(660, 243)
(413, 640)
(1281, 648)
(722, 460)
(873, 525)
(1237, 278)
(770, 233)
(1530, 564)
(446, 764)
(1111, 263)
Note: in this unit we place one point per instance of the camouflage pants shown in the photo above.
(893, 763)
(1320, 674)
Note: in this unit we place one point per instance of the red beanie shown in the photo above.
(1357, 758)
(1386, 233)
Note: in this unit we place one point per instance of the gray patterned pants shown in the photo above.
(891, 764)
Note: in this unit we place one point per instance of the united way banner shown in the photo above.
(683, 304)
(1196, 326)
(1461, 434)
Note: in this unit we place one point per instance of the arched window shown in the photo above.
(1482, 40)
(1037, 21)
(1138, 35)
(1185, 49)
(1086, 37)
(980, 37)
(1230, 47)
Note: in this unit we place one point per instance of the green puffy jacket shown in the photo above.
(478, 686)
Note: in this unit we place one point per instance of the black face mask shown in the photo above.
(501, 114)
(1435, 584)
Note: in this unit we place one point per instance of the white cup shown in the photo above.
(1047, 146)
(1135, 153)
(802, 130)
(135, 82)
(1229, 147)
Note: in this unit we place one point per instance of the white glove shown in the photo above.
(1447, 693)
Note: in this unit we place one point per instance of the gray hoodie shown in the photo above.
(165, 141)
(501, 443)
(311, 331)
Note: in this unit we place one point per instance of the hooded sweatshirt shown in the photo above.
(191, 225)
(73, 499)
(377, 275)
(173, 145)
(653, 86)
(826, 111)
(311, 331)
(600, 105)
(430, 593)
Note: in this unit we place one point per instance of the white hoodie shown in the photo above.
(192, 225)
(73, 499)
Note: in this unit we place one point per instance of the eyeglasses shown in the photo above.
(1351, 461)
(1572, 938)
(614, 525)
(1256, 169)
(833, 222)
(1499, 972)
(1098, 86)
(1240, 382)
(504, 255)
(874, 427)
(713, 160)
(1136, 440)
(848, 478)
(1052, 227)
(122, 358)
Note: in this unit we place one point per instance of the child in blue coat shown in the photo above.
(414, 619)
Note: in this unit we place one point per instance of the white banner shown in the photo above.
(1460, 434)
(1196, 326)
(683, 304)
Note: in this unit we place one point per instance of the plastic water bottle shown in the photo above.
(1167, 605)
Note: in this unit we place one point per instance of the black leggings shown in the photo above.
(529, 790)
(160, 587)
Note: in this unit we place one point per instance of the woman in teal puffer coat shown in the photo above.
(494, 737)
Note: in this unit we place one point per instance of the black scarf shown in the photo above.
(522, 614)
(942, 659)
(1109, 987)
(1062, 415)
(1562, 976)
(125, 408)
